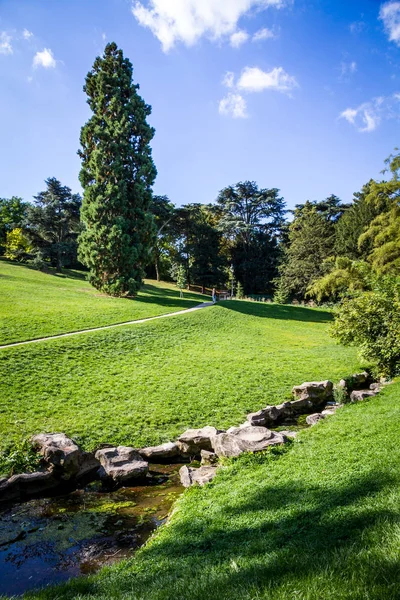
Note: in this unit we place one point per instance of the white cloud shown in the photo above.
(228, 80)
(103, 36)
(233, 105)
(390, 15)
(26, 34)
(187, 21)
(44, 59)
(264, 34)
(253, 79)
(368, 116)
(5, 43)
(348, 68)
(238, 38)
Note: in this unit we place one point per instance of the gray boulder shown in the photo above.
(314, 418)
(192, 441)
(189, 475)
(26, 485)
(315, 392)
(208, 458)
(162, 452)
(358, 395)
(60, 453)
(289, 434)
(360, 380)
(375, 387)
(121, 464)
(248, 439)
(267, 416)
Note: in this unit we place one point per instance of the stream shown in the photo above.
(49, 540)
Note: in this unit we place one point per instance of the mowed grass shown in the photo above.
(321, 521)
(145, 384)
(35, 304)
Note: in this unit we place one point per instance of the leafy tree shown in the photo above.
(53, 223)
(179, 274)
(239, 291)
(117, 174)
(17, 244)
(12, 215)
(371, 320)
(252, 219)
(311, 241)
(198, 245)
(163, 211)
(332, 208)
(352, 225)
(346, 278)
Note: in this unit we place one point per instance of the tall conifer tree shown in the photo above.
(117, 174)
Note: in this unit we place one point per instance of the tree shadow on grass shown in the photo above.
(278, 311)
(278, 536)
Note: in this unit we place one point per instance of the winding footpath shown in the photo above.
(137, 322)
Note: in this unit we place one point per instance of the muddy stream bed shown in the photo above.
(48, 540)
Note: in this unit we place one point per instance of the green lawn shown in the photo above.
(144, 384)
(319, 522)
(35, 304)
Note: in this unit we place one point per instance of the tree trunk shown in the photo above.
(157, 269)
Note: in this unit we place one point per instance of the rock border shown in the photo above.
(65, 466)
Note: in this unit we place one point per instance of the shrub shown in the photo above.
(239, 291)
(17, 245)
(371, 321)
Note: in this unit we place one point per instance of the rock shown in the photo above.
(26, 485)
(329, 411)
(59, 452)
(358, 395)
(316, 392)
(162, 452)
(376, 387)
(201, 476)
(314, 418)
(248, 439)
(289, 434)
(342, 383)
(358, 380)
(208, 458)
(192, 441)
(121, 464)
(303, 405)
(266, 416)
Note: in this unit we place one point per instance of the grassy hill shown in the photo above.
(318, 520)
(144, 384)
(35, 304)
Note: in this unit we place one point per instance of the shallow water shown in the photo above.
(49, 540)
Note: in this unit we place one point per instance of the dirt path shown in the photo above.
(63, 335)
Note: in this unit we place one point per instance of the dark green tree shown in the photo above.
(117, 175)
(12, 216)
(53, 223)
(252, 219)
(198, 245)
(311, 242)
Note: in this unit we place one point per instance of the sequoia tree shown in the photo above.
(117, 175)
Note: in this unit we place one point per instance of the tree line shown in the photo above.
(326, 251)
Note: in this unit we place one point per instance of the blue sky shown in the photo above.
(302, 95)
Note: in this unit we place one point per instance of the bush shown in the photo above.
(17, 245)
(38, 262)
(371, 321)
(239, 291)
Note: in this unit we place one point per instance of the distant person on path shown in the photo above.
(214, 295)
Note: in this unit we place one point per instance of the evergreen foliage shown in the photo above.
(311, 242)
(252, 220)
(53, 224)
(117, 174)
(346, 278)
(163, 211)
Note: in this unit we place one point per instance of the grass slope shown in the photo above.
(145, 384)
(35, 304)
(320, 522)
